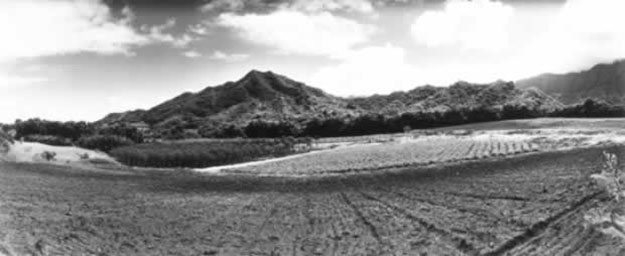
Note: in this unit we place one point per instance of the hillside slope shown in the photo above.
(271, 97)
(258, 95)
(603, 81)
(461, 95)
(128, 116)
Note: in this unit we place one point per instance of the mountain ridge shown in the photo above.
(604, 81)
(257, 95)
(268, 96)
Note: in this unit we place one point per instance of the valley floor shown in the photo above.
(525, 205)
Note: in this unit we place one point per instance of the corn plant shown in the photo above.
(609, 218)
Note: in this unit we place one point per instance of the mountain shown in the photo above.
(461, 95)
(133, 116)
(271, 97)
(258, 95)
(604, 81)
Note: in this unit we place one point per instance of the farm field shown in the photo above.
(542, 123)
(419, 150)
(374, 156)
(527, 205)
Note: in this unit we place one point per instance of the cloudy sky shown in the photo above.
(82, 59)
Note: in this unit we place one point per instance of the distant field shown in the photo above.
(527, 205)
(348, 155)
(519, 124)
(538, 123)
(367, 157)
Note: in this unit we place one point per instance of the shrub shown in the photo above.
(262, 129)
(122, 130)
(71, 130)
(5, 142)
(610, 218)
(84, 156)
(48, 155)
(204, 153)
(6, 137)
(49, 140)
(103, 142)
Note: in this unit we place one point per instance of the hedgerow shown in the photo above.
(203, 153)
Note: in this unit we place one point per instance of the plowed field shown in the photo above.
(525, 205)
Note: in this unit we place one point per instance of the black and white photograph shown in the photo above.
(312, 127)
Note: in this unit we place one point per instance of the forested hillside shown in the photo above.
(604, 82)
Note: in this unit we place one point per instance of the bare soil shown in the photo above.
(527, 205)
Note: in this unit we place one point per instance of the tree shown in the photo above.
(262, 129)
(104, 143)
(123, 130)
(332, 127)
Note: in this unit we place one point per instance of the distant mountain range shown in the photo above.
(272, 97)
(604, 81)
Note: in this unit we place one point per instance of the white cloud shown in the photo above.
(379, 69)
(198, 29)
(42, 28)
(358, 6)
(477, 24)
(310, 6)
(235, 57)
(192, 54)
(223, 5)
(585, 32)
(39, 28)
(292, 32)
(35, 28)
(158, 33)
(10, 81)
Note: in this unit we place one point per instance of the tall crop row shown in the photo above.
(198, 154)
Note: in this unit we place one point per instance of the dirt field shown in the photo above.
(526, 205)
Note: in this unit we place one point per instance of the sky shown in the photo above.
(82, 59)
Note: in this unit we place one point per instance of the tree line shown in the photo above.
(108, 137)
(83, 134)
(377, 123)
(205, 153)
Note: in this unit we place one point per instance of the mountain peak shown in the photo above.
(254, 73)
(258, 78)
(258, 94)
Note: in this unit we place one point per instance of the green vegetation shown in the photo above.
(48, 155)
(609, 218)
(204, 153)
(87, 135)
(104, 143)
(49, 140)
(5, 142)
